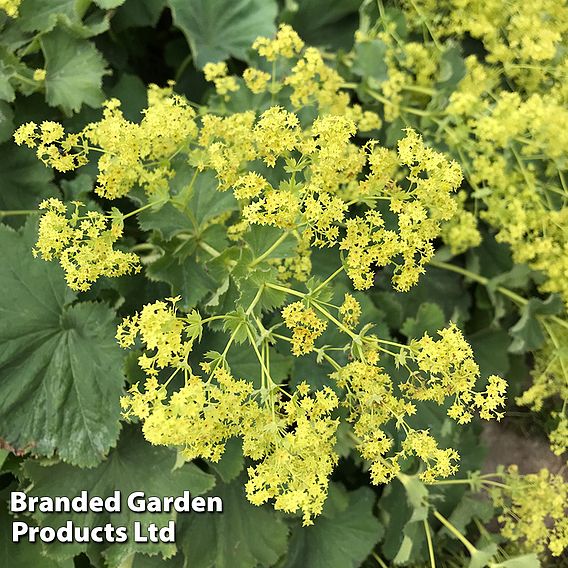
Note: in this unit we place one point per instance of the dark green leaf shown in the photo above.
(429, 319)
(186, 277)
(217, 29)
(527, 333)
(61, 368)
(340, 540)
(135, 465)
(24, 180)
(244, 536)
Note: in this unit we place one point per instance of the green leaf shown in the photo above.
(43, 15)
(403, 507)
(7, 92)
(452, 69)
(22, 554)
(341, 540)
(135, 465)
(108, 4)
(369, 60)
(482, 558)
(527, 333)
(232, 462)
(167, 221)
(186, 277)
(329, 23)
(218, 29)
(138, 13)
(200, 199)
(468, 509)
(429, 319)
(74, 71)
(24, 180)
(61, 368)
(7, 126)
(244, 536)
(490, 347)
(525, 561)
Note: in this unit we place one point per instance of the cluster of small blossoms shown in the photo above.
(300, 459)
(523, 38)
(448, 369)
(218, 73)
(130, 153)
(534, 510)
(412, 70)
(199, 417)
(161, 331)
(305, 325)
(373, 405)
(10, 7)
(64, 152)
(292, 441)
(350, 311)
(83, 243)
(420, 209)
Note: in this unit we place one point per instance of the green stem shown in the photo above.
(470, 548)
(328, 280)
(255, 300)
(485, 282)
(271, 249)
(410, 110)
(429, 541)
(183, 66)
(331, 318)
(147, 206)
(209, 249)
(380, 562)
(14, 212)
(285, 289)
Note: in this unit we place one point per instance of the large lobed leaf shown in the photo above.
(217, 29)
(60, 367)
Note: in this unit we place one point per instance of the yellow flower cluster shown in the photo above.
(520, 36)
(412, 70)
(10, 7)
(448, 369)
(64, 152)
(199, 417)
(160, 330)
(130, 153)
(256, 80)
(287, 44)
(521, 194)
(372, 405)
(218, 73)
(534, 510)
(291, 441)
(350, 311)
(305, 325)
(298, 462)
(82, 243)
(420, 209)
